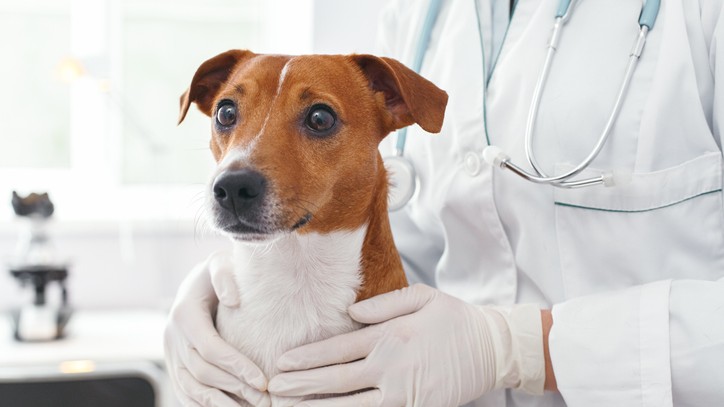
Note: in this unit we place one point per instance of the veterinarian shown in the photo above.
(631, 262)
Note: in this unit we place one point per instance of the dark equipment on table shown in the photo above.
(36, 264)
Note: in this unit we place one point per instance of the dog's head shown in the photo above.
(296, 137)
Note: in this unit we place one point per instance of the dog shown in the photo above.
(301, 188)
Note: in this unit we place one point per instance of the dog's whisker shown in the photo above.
(200, 218)
(199, 225)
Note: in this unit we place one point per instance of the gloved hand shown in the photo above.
(202, 366)
(426, 349)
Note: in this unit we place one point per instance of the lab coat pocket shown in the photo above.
(659, 225)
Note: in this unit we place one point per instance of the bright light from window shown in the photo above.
(91, 101)
(34, 111)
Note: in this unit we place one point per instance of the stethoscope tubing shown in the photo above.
(646, 21)
(560, 180)
(494, 155)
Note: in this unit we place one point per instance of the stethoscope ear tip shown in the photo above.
(494, 156)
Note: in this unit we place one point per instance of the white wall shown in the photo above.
(346, 26)
(141, 264)
(118, 265)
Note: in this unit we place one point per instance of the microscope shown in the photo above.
(36, 265)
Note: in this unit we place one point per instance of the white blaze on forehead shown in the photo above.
(282, 76)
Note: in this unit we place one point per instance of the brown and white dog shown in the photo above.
(301, 187)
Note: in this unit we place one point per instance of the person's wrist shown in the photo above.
(519, 351)
(546, 324)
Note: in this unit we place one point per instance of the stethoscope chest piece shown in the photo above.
(403, 182)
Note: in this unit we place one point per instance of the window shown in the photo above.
(34, 112)
(91, 108)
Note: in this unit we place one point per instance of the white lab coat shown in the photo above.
(634, 273)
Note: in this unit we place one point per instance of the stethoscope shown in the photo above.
(403, 175)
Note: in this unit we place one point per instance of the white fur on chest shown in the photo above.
(293, 291)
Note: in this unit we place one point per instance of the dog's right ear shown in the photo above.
(409, 98)
(209, 78)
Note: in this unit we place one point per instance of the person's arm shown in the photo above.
(422, 348)
(612, 348)
(696, 328)
(659, 344)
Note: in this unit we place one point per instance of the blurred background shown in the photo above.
(88, 114)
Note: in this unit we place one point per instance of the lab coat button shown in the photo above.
(472, 163)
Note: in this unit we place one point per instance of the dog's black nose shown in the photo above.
(239, 190)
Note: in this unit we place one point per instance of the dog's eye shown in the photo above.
(226, 114)
(320, 118)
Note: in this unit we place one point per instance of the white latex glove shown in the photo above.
(204, 369)
(426, 349)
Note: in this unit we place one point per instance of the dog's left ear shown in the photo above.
(208, 79)
(409, 98)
